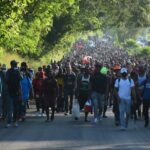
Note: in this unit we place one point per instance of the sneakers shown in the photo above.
(122, 128)
(100, 118)
(65, 113)
(104, 116)
(70, 112)
(86, 120)
(43, 115)
(15, 124)
(117, 123)
(95, 120)
(126, 125)
(47, 120)
(38, 114)
(146, 125)
(8, 125)
(76, 118)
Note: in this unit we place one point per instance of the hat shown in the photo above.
(117, 67)
(123, 70)
(104, 71)
(13, 63)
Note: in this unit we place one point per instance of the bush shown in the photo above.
(131, 43)
(1, 52)
(145, 51)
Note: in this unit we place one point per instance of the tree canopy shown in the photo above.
(39, 27)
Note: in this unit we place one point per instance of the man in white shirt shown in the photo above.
(124, 88)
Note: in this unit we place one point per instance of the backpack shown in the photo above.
(120, 79)
(13, 80)
(128, 79)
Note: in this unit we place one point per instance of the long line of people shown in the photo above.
(124, 86)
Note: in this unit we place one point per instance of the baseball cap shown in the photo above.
(117, 67)
(123, 70)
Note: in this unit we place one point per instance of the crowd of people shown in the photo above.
(108, 78)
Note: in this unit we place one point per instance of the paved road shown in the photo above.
(66, 134)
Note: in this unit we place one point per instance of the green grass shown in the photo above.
(6, 57)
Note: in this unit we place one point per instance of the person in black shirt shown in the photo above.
(3, 91)
(83, 87)
(60, 82)
(99, 91)
(69, 88)
(13, 78)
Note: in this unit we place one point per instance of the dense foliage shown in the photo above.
(47, 28)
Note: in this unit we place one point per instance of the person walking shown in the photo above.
(69, 88)
(13, 78)
(49, 93)
(99, 90)
(83, 88)
(124, 88)
(26, 89)
(146, 99)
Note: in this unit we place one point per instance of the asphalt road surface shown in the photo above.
(64, 133)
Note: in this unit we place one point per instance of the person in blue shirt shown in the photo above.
(146, 99)
(26, 88)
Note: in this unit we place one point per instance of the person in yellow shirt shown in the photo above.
(60, 82)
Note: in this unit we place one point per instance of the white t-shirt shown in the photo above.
(124, 88)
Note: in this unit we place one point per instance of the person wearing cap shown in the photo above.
(13, 78)
(124, 88)
(99, 90)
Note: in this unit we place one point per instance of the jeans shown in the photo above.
(12, 109)
(146, 105)
(116, 112)
(23, 108)
(97, 99)
(1, 104)
(60, 100)
(124, 108)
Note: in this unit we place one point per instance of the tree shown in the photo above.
(34, 27)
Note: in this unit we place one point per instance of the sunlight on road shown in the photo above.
(72, 145)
